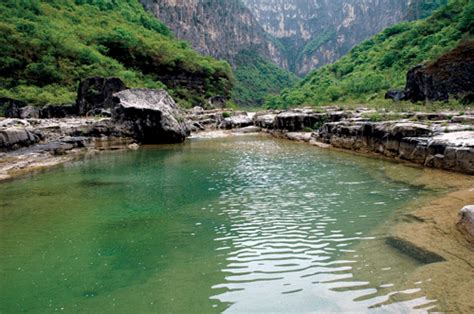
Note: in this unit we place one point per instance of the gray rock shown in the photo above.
(409, 141)
(265, 121)
(16, 137)
(450, 75)
(464, 119)
(151, 116)
(97, 93)
(466, 221)
(197, 109)
(29, 112)
(395, 95)
(297, 120)
(299, 136)
(237, 121)
(14, 122)
(12, 107)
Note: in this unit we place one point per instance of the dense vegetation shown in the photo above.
(47, 47)
(257, 77)
(382, 62)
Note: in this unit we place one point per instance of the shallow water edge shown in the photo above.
(429, 224)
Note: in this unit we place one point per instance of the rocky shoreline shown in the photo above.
(434, 140)
(119, 118)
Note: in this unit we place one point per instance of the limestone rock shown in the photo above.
(97, 93)
(451, 74)
(239, 120)
(295, 120)
(15, 137)
(151, 116)
(414, 142)
(265, 121)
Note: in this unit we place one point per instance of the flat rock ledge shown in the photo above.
(442, 140)
(466, 222)
(31, 144)
(415, 142)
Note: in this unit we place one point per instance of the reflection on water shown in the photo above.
(236, 224)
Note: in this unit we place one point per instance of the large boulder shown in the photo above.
(451, 74)
(13, 108)
(151, 116)
(96, 93)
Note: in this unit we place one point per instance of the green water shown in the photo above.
(235, 224)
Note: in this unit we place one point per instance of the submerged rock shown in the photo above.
(151, 116)
(97, 93)
(466, 221)
(410, 249)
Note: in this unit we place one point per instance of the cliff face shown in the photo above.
(317, 32)
(297, 35)
(221, 29)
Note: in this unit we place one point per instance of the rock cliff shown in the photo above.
(451, 74)
(221, 29)
(318, 32)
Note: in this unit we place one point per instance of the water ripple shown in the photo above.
(293, 225)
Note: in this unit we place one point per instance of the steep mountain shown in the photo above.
(382, 62)
(228, 30)
(221, 29)
(49, 46)
(318, 32)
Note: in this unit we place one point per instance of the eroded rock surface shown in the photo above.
(96, 94)
(15, 137)
(151, 116)
(237, 121)
(415, 142)
(451, 75)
